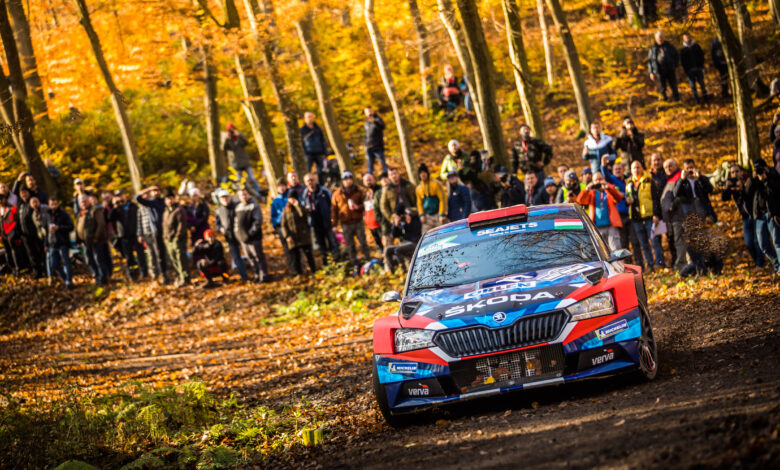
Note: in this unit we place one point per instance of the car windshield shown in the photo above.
(469, 256)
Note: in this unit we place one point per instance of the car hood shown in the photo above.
(516, 295)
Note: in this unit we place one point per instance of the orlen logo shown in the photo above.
(608, 356)
(423, 391)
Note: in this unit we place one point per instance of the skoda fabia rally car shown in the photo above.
(510, 299)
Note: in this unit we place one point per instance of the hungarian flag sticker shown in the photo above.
(568, 224)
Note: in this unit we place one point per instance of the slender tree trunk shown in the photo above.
(304, 27)
(744, 27)
(774, 8)
(428, 92)
(7, 113)
(573, 64)
(548, 50)
(522, 71)
(24, 43)
(632, 13)
(748, 145)
(455, 30)
(384, 70)
(216, 157)
(484, 75)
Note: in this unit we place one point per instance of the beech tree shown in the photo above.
(423, 50)
(216, 156)
(744, 29)
(548, 50)
(32, 78)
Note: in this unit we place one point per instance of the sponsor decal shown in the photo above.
(510, 285)
(506, 229)
(608, 355)
(611, 329)
(438, 245)
(568, 224)
(402, 367)
(499, 317)
(563, 272)
(476, 307)
(421, 390)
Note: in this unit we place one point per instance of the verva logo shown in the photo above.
(598, 360)
(422, 391)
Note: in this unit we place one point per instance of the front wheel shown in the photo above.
(647, 350)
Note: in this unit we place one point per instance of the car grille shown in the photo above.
(508, 369)
(482, 340)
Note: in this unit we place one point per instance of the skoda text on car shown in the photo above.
(510, 299)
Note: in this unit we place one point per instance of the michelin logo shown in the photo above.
(402, 367)
(612, 329)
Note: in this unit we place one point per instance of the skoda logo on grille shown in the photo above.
(499, 317)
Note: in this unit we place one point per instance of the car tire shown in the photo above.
(396, 421)
(647, 349)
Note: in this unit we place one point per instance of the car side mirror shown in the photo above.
(391, 296)
(620, 255)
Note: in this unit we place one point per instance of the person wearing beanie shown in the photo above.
(431, 203)
(570, 188)
(530, 154)
(550, 190)
(211, 258)
(587, 175)
(347, 203)
(450, 163)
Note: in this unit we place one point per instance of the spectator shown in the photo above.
(398, 192)
(550, 191)
(468, 102)
(630, 143)
(151, 233)
(587, 175)
(235, 148)
(58, 242)
(735, 190)
(375, 139)
(471, 174)
(314, 145)
(11, 198)
(32, 242)
(347, 211)
(570, 188)
(385, 225)
(248, 226)
(643, 197)
(11, 235)
(662, 60)
(225, 222)
(431, 203)
(91, 229)
(458, 200)
(197, 215)
(693, 191)
(601, 198)
(449, 90)
(763, 189)
(450, 162)
(719, 62)
(530, 154)
(562, 170)
(372, 216)
(78, 191)
(692, 61)
(776, 146)
(277, 209)
(617, 177)
(597, 145)
(39, 216)
(658, 174)
(296, 231)
(211, 258)
(674, 214)
(174, 229)
(28, 180)
(509, 190)
(124, 216)
(317, 200)
(408, 229)
(533, 191)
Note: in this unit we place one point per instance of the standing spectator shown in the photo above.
(530, 154)
(151, 233)
(40, 220)
(58, 242)
(91, 229)
(662, 60)
(692, 191)
(11, 198)
(296, 231)
(459, 199)
(674, 214)
(692, 61)
(509, 190)
(314, 145)
(629, 143)
(277, 209)
(431, 204)
(124, 216)
(372, 216)
(570, 188)
(11, 234)
(735, 190)
(174, 228)
(643, 197)
(317, 200)
(248, 226)
(235, 147)
(225, 222)
(347, 211)
(375, 139)
(764, 190)
(408, 229)
(294, 184)
(474, 177)
(450, 162)
(449, 90)
(32, 243)
(617, 177)
(719, 62)
(597, 145)
(550, 191)
(197, 215)
(78, 191)
(587, 175)
(398, 192)
(562, 170)
(211, 258)
(533, 191)
(601, 198)
(28, 181)
(658, 174)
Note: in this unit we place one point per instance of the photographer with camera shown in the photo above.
(601, 199)
(735, 190)
(763, 189)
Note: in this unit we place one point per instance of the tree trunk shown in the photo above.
(453, 26)
(384, 70)
(522, 71)
(117, 100)
(22, 119)
(24, 43)
(744, 27)
(7, 112)
(632, 13)
(216, 157)
(548, 50)
(748, 145)
(573, 64)
(265, 39)
(484, 75)
(774, 8)
(304, 27)
(428, 92)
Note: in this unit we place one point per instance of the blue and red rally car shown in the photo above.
(510, 299)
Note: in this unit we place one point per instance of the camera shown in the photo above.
(597, 187)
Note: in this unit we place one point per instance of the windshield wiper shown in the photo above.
(434, 286)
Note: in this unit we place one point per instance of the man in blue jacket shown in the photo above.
(458, 200)
(277, 208)
(314, 145)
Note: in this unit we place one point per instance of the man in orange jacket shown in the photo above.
(601, 199)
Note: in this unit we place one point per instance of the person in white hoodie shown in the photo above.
(596, 146)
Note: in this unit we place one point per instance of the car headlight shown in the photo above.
(409, 339)
(594, 306)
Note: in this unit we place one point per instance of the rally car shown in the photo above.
(510, 299)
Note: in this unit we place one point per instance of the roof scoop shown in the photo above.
(593, 276)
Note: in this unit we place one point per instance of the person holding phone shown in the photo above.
(601, 199)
